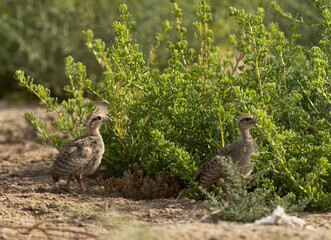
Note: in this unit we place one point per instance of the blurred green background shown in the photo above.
(36, 35)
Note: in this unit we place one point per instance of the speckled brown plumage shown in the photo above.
(238, 152)
(82, 155)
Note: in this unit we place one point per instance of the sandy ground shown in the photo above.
(31, 208)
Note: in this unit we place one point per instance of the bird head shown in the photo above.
(95, 120)
(245, 121)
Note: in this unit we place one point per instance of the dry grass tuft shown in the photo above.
(135, 185)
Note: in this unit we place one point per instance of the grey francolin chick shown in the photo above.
(82, 155)
(238, 152)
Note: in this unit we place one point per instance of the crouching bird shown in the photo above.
(239, 152)
(82, 155)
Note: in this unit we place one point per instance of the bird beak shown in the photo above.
(106, 119)
(253, 121)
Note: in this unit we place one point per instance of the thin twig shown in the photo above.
(179, 31)
(237, 62)
(214, 212)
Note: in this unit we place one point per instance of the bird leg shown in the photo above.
(66, 187)
(79, 180)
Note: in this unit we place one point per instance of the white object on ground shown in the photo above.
(279, 217)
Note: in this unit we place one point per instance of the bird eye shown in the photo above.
(247, 119)
(97, 118)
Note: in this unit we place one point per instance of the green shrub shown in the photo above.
(243, 202)
(36, 35)
(72, 113)
(174, 119)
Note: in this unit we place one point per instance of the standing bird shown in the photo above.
(239, 152)
(82, 155)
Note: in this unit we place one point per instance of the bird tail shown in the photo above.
(54, 176)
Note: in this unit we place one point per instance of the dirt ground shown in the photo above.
(31, 208)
